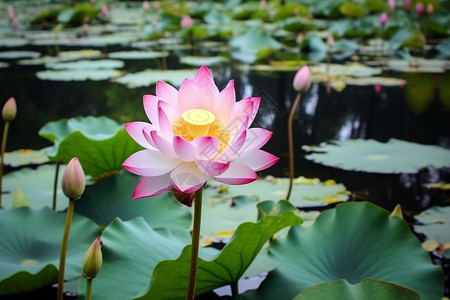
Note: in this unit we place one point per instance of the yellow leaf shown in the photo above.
(430, 244)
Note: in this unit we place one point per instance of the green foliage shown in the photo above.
(290, 10)
(77, 15)
(46, 15)
(376, 6)
(353, 10)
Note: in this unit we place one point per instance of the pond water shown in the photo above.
(415, 112)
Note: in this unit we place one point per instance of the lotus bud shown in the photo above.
(391, 4)
(397, 212)
(406, 4)
(185, 22)
(383, 19)
(11, 13)
(9, 110)
(104, 10)
(377, 88)
(419, 8)
(302, 80)
(330, 41)
(73, 180)
(430, 8)
(93, 260)
(145, 6)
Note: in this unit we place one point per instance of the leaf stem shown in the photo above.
(291, 144)
(55, 185)
(2, 163)
(234, 289)
(195, 244)
(65, 242)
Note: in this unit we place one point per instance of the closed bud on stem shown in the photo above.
(302, 80)
(430, 8)
(419, 8)
(73, 180)
(383, 19)
(93, 260)
(330, 41)
(9, 110)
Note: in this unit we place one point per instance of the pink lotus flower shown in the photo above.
(430, 8)
(186, 21)
(419, 8)
(391, 5)
(406, 4)
(383, 19)
(377, 87)
(104, 10)
(196, 133)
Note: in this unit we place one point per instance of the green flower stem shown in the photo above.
(195, 244)
(5, 135)
(65, 242)
(89, 289)
(291, 144)
(55, 185)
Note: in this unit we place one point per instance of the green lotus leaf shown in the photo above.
(23, 157)
(395, 156)
(366, 289)
(118, 38)
(13, 42)
(63, 56)
(385, 81)
(100, 143)
(202, 60)
(353, 10)
(170, 278)
(149, 77)
(376, 6)
(131, 250)
(353, 242)
(444, 48)
(137, 54)
(111, 197)
(306, 192)
(352, 69)
(250, 44)
(15, 54)
(30, 248)
(435, 222)
(77, 75)
(37, 186)
(100, 64)
(419, 65)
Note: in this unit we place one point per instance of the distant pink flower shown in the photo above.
(196, 133)
(383, 19)
(391, 4)
(330, 41)
(419, 8)
(406, 4)
(430, 8)
(185, 22)
(302, 80)
(263, 4)
(377, 87)
(11, 13)
(145, 5)
(104, 10)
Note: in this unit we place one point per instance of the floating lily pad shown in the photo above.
(202, 60)
(12, 42)
(3, 64)
(395, 156)
(170, 278)
(100, 144)
(137, 54)
(30, 248)
(62, 56)
(435, 223)
(131, 250)
(352, 69)
(78, 75)
(36, 184)
(419, 65)
(353, 241)
(111, 197)
(118, 38)
(366, 289)
(385, 81)
(18, 54)
(253, 45)
(149, 77)
(23, 157)
(91, 65)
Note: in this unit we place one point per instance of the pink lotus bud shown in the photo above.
(430, 8)
(9, 110)
(391, 4)
(73, 180)
(377, 88)
(186, 21)
(383, 19)
(263, 4)
(145, 5)
(330, 41)
(302, 80)
(104, 10)
(11, 13)
(419, 8)
(93, 260)
(406, 4)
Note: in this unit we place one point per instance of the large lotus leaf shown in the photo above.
(149, 77)
(30, 247)
(62, 56)
(137, 54)
(37, 186)
(395, 156)
(203, 60)
(306, 192)
(99, 64)
(100, 144)
(23, 157)
(435, 224)
(367, 289)
(111, 197)
(77, 75)
(353, 241)
(253, 45)
(131, 250)
(170, 278)
(418, 65)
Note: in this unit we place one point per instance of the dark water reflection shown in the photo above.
(416, 112)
